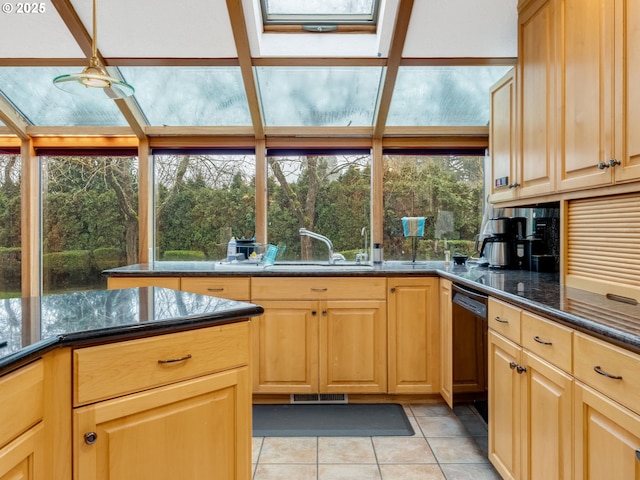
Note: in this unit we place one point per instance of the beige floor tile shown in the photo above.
(256, 446)
(456, 450)
(411, 472)
(333, 450)
(289, 450)
(431, 410)
(402, 450)
(441, 427)
(288, 471)
(348, 472)
(483, 471)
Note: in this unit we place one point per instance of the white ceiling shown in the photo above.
(197, 29)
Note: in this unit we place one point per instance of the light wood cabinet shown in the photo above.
(311, 340)
(414, 335)
(234, 288)
(502, 139)
(530, 403)
(285, 347)
(607, 437)
(24, 457)
(600, 51)
(535, 156)
(446, 342)
(206, 408)
(22, 433)
(135, 282)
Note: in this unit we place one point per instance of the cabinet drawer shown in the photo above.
(107, 371)
(505, 319)
(548, 340)
(21, 397)
(135, 282)
(318, 288)
(591, 354)
(232, 288)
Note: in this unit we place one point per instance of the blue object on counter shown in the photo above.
(413, 226)
(270, 256)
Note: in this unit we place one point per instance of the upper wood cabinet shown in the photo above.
(535, 92)
(502, 138)
(598, 103)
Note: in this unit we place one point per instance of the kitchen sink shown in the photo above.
(318, 266)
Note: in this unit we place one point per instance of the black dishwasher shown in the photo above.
(469, 343)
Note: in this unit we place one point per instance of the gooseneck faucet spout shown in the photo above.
(332, 256)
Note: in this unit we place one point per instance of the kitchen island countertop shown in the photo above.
(29, 327)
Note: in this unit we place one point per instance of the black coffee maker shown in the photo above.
(505, 247)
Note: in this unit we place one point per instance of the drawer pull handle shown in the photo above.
(597, 369)
(501, 320)
(543, 342)
(318, 289)
(175, 360)
(220, 289)
(90, 438)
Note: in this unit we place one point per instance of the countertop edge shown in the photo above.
(122, 333)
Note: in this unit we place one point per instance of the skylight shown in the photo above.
(319, 12)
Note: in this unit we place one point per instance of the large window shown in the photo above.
(10, 267)
(445, 189)
(325, 192)
(202, 199)
(89, 219)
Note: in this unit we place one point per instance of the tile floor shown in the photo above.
(446, 445)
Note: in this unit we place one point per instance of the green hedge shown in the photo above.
(10, 268)
(68, 269)
(183, 255)
(105, 258)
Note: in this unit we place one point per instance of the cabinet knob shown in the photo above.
(514, 185)
(613, 162)
(512, 365)
(521, 369)
(324, 312)
(313, 312)
(602, 165)
(90, 438)
(393, 289)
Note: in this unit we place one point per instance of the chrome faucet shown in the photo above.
(332, 256)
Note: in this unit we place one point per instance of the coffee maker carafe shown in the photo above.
(505, 247)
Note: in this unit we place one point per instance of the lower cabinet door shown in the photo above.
(285, 347)
(607, 437)
(547, 421)
(353, 346)
(504, 406)
(195, 429)
(23, 458)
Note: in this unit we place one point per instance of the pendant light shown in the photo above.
(93, 80)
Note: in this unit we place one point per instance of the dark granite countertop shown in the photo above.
(31, 326)
(540, 293)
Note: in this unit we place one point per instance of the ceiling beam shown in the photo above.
(13, 119)
(393, 65)
(239, 28)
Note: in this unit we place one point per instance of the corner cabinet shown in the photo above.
(320, 335)
(129, 395)
(414, 335)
